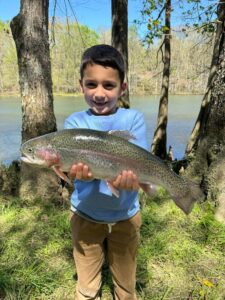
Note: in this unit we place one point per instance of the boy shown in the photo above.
(102, 224)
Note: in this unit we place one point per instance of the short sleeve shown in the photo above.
(138, 130)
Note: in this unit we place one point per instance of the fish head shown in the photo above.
(39, 152)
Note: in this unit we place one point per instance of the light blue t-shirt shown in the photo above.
(93, 198)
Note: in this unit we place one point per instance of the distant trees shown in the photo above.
(138, 56)
(69, 42)
(8, 61)
(190, 61)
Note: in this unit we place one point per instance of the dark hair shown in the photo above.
(103, 55)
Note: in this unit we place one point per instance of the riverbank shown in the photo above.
(80, 94)
(55, 95)
(179, 257)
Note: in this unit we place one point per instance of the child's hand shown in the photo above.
(81, 171)
(127, 180)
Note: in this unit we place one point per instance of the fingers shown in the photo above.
(126, 180)
(81, 172)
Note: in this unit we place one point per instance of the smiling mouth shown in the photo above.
(99, 103)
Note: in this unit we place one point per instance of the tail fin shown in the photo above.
(186, 202)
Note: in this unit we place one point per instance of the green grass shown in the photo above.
(180, 257)
(36, 259)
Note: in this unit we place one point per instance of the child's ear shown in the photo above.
(81, 85)
(123, 88)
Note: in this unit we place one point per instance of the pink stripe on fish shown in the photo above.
(51, 156)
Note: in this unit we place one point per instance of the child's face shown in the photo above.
(101, 87)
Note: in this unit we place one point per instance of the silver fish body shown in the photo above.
(108, 155)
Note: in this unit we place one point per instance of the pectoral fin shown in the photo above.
(60, 173)
(149, 189)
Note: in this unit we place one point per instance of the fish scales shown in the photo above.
(105, 148)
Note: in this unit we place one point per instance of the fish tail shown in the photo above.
(186, 202)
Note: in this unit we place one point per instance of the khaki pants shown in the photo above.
(89, 240)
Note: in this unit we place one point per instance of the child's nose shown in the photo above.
(99, 92)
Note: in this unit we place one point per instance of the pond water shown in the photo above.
(183, 111)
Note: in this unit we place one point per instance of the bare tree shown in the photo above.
(160, 136)
(30, 33)
(207, 159)
(203, 113)
(120, 38)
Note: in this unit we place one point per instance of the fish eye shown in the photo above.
(29, 149)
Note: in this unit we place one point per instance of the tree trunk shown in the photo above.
(30, 33)
(120, 39)
(202, 117)
(207, 161)
(160, 136)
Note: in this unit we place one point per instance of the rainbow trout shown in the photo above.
(107, 154)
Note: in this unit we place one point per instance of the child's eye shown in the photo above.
(90, 85)
(108, 86)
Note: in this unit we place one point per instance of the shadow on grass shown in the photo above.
(35, 233)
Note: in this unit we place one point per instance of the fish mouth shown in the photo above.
(27, 160)
(30, 160)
